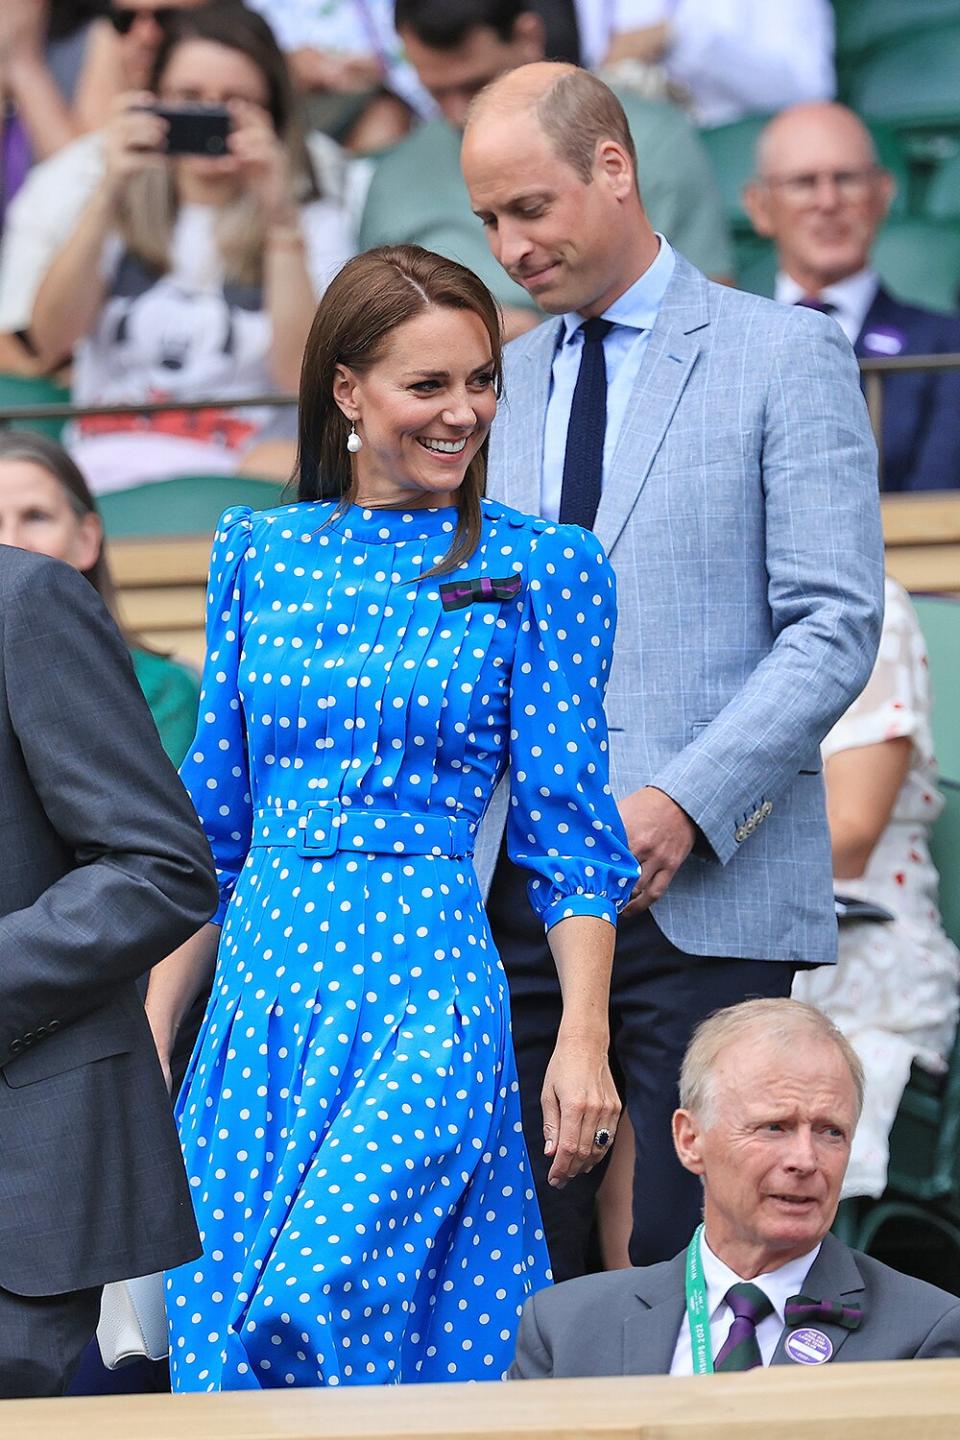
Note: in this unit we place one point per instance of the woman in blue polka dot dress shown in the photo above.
(351, 1118)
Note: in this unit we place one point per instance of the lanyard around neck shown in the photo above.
(698, 1317)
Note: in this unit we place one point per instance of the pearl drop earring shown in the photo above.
(354, 442)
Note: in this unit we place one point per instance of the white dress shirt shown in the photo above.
(778, 1286)
(851, 298)
(735, 57)
(633, 316)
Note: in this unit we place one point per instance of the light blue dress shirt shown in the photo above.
(633, 316)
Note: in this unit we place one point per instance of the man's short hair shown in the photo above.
(783, 1023)
(576, 114)
(443, 25)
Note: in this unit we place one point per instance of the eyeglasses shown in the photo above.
(850, 185)
(123, 21)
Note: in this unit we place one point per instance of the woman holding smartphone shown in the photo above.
(191, 275)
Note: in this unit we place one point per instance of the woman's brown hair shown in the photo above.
(371, 296)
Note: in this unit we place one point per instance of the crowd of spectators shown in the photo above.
(143, 276)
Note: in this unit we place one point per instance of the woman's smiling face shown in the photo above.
(423, 410)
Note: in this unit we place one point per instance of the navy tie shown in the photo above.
(583, 457)
(813, 302)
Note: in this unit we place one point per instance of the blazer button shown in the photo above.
(53, 1025)
(740, 834)
(15, 1047)
(40, 1033)
(766, 808)
(28, 1038)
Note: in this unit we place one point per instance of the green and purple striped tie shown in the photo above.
(740, 1350)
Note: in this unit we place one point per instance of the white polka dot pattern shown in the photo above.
(350, 1119)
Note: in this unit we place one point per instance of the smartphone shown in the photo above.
(194, 129)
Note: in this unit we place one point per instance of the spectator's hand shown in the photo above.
(648, 44)
(332, 70)
(262, 161)
(661, 836)
(23, 29)
(578, 1099)
(134, 138)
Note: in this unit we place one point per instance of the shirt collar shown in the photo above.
(638, 307)
(778, 1285)
(851, 298)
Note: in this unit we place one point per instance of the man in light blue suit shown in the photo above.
(718, 445)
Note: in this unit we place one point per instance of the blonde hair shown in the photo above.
(778, 1022)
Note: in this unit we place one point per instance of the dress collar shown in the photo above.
(392, 527)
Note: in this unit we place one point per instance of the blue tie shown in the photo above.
(583, 457)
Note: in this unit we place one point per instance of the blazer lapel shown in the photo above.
(671, 354)
(531, 377)
(651, 1328)
(833, 1276)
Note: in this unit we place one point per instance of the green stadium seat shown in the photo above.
(17, 390)
(864, 25)
(924, 1177)
(185, 505)
(912, 83)
(920, 261)
(942, 200)
(731, 150)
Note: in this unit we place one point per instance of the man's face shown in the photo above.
(566, 241)
(453, 77)
(772, 1148)
(139, 26)
(821, 197)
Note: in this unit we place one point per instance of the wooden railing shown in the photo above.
(162, 583)
(856, 1402)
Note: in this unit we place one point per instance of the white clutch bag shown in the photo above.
(133, 1321)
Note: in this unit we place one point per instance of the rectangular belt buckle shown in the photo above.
(318, 831)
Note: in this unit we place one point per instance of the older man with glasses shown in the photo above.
(821, 196)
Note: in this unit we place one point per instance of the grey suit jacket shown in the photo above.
(104, 871)
(742, 521)
(626, 1322)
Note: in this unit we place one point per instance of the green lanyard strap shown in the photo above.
(698, 1317)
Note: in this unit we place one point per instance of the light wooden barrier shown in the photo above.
(162, 583)
(857, 1402)
(922, 535)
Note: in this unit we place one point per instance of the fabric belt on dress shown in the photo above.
(326, 826)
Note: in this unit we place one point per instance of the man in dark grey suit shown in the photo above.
(104, 871)
(770, 1094)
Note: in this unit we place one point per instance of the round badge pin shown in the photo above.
(809, 1347)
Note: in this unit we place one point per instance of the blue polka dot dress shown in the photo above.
(351, 1117)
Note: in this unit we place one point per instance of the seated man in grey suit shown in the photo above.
(770, 1094)
(105, 870)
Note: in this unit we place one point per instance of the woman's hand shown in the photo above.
(134, 138)
(579, 1099)
(262, 162)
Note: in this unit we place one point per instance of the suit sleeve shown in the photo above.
(532, 1360)
(943, 1341)
(143, 879)
(825, 575)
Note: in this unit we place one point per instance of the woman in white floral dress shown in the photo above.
(894, 990)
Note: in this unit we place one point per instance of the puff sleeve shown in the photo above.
(563, 824)
(216, 771)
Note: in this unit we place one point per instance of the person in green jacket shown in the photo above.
(46, 506)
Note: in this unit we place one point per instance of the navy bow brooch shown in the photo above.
(457, 594)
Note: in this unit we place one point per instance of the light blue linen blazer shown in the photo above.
(742, 520)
